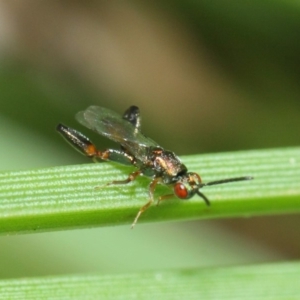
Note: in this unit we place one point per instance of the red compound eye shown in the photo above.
(181, 191)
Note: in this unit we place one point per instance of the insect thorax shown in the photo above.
(164, 164)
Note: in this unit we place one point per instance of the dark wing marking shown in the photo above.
(132, 115)
(112, 125)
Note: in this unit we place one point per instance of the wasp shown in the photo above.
(149, 158)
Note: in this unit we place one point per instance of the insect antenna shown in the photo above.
(203, 197)
(225, 181)
(219, 182)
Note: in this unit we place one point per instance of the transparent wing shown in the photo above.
(111, 125)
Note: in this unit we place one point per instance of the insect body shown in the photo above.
(147, 156)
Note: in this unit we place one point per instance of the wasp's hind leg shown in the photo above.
(78, 141)
(83, 144)
(86, 147)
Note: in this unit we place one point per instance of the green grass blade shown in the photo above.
(270, 281)
(65, 197)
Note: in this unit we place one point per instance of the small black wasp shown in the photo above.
(150, 159)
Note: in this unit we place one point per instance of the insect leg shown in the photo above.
(77, 140)
(146, 206)
(132, 176)
(85, 146)
(164, 197)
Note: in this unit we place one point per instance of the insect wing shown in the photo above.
(113, 126)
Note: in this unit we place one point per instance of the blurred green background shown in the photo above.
(208, 76)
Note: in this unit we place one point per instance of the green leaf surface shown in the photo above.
(65, 197)
(270, 281)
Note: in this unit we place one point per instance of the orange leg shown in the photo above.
(148, 204)
(164, 197)
(132, 176)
